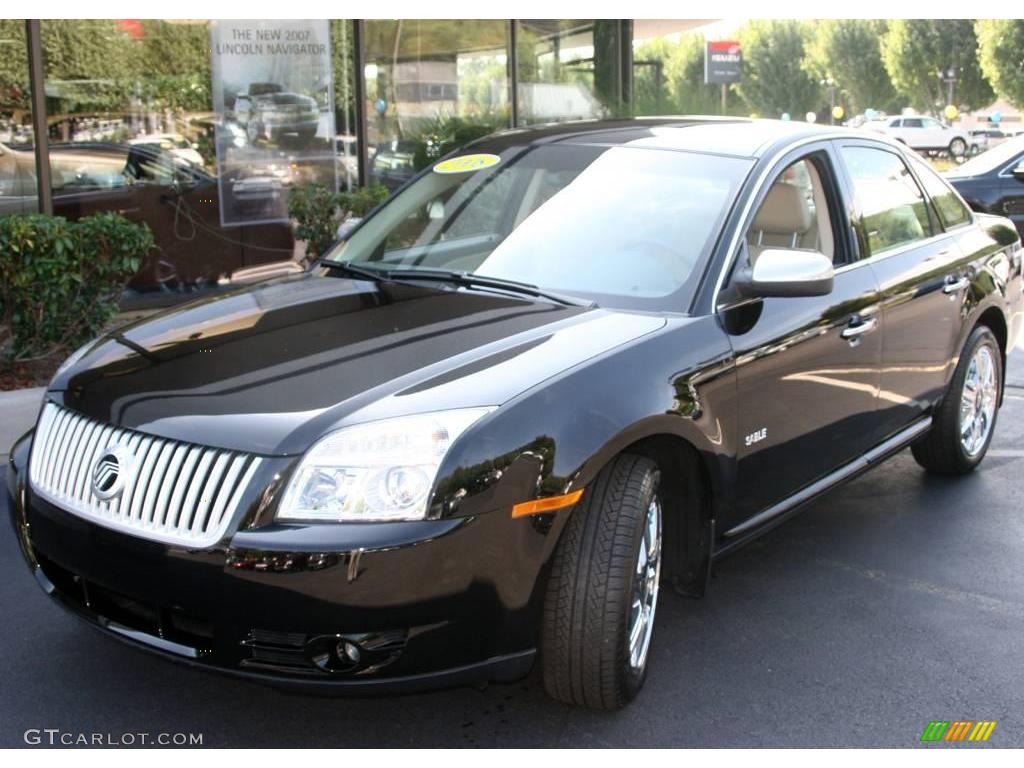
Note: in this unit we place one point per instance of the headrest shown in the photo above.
(784, 211)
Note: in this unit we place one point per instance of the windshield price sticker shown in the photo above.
(467, 163)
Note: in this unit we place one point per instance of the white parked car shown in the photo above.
(924, 134)
(173, 143)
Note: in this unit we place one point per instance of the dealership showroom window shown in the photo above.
(402, 382)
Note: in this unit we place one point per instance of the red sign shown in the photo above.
(132, 27)
(722, 59)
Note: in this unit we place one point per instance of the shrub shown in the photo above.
(319, 212)
(60, 281)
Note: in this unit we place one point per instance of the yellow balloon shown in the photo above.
(951, 112)
(838, 112)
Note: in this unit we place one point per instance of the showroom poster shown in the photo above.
(274, 103)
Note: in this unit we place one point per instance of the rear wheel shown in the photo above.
(957, 147)
(603, 591)
(963, 424)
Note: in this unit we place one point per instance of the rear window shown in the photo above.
(951, 209)
(893, 211)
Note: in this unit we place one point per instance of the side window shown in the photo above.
(951, 209)
(892, 207)
(912, 122)
(794, 214)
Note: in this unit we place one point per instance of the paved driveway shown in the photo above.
(895, 600)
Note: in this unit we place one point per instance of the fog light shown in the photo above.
(350, 651)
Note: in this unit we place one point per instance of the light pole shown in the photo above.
(828, 82)
(949, 77)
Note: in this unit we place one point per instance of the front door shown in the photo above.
(807, 368)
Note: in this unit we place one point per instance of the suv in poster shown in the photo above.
(274, 105)
(268, 112)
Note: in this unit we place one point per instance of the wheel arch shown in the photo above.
(689, 479)
(994, 319)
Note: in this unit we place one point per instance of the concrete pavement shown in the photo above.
(18, 412)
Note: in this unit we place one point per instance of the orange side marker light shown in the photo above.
(549, 504)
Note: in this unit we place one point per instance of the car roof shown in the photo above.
(740, 137)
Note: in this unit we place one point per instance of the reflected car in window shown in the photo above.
(147, 184)
(550, 382)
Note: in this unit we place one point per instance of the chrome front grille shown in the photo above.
(173, 492)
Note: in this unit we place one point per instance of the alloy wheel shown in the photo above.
(978, 401)
(645, 587)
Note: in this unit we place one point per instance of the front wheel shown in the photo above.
(603, 590)
(963, 423)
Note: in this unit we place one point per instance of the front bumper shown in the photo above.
(425, 604)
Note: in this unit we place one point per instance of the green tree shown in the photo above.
(849, 51)
(14, 93)
(774, 79)
(171, 65)
(1001, 51)
(915, 51)
(87, 63)
(86, 49)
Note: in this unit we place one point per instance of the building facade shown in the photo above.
(202, 129)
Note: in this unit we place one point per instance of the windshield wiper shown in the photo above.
(470, 280)
(467, 279)
(363, 273)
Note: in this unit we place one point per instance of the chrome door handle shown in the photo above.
(853, 331)
(956, 285)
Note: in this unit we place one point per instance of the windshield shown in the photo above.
(626, 227)
(989, 161)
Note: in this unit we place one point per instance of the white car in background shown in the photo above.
(924, 134)
(174, 144)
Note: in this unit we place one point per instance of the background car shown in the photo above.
(924, 134)
(394, 163)
(174, 144)
(993, 182)
(983, 139)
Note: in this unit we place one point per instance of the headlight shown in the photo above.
(382, 470)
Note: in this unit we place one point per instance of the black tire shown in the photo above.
(957, 147)
(585, 653)
(941, 450)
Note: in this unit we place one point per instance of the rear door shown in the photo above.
(934, 133)
(912, 133)
(920, 273)
(807, 367)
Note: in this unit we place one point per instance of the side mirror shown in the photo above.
(786, 272)
(1018, 172)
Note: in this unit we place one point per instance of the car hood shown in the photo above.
(269, 369)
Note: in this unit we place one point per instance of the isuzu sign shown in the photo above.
(722, 59)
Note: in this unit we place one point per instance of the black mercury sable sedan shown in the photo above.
(553, 374)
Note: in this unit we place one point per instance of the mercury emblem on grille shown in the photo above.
(108, 474)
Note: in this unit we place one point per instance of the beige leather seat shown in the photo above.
(785, 220)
